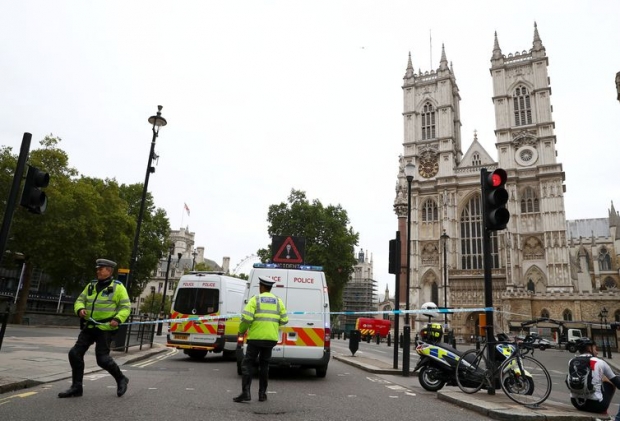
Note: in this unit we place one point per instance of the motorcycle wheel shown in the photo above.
(431, 379)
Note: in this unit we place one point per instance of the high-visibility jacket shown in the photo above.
(263, 315)
(110, 302)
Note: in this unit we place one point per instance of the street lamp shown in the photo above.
(444, 241)
(157, 121)
(194, 254)
(409, 171)
(160, 325)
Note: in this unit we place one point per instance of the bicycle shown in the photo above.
(522, 378)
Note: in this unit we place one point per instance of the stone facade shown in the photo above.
(543, 265)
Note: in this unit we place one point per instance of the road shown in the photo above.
(556, 362)
(172, 387)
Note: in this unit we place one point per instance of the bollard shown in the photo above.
(354, 341)
(400, 341)
(389, 339)
(367, 339)
(378, 339)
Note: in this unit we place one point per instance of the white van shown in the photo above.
(305, 339)
(206, 294)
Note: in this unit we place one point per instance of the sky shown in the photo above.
(262, 97)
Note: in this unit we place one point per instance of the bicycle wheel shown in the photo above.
(472, 371)
(525, 380)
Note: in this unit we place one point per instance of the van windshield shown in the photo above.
(197, 301)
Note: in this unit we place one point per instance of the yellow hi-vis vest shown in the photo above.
(112, 302)
(263, 315)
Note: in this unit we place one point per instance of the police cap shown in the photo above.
(105, 263)
(266, 281)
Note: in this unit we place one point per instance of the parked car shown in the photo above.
(538, 342)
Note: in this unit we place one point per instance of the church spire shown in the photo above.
(409, 72)
(537, 45)
(497, 52)
(443, 64)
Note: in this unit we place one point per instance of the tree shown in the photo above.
(330, 241)
(86, 219)
(152, 304)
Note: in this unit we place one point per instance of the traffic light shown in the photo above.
(33, 198)
(495, 197)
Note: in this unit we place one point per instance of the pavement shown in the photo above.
(41, 357)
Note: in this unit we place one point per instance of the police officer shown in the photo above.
(263, 315)
(103, 305)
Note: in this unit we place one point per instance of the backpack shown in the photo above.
(579, 377)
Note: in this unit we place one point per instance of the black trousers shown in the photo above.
(588, 405)
(261, 350)
(101, 339)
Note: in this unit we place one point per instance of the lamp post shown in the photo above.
(157, 121)
(194, 254)
(606, 346)
(444, 241)
(160, 325)
(409, 171)
(153, 302)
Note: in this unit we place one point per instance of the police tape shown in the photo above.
(426, 312)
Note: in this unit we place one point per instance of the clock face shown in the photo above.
(428, 168)
(526, 156)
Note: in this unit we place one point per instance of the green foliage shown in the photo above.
(86, 219)
(152, 304)
(330, 241)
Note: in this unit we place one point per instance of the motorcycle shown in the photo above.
(437, 364)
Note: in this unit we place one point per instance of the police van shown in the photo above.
(305, 340)
(212, 294)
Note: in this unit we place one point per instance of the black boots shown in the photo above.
(244, 397)
(262, 396)
(75, 391)
(121, 386)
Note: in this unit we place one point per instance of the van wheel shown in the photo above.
(572, 348)
(195, 354)
(321, 371)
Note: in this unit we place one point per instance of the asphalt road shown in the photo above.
(172, 387)
(556, 362)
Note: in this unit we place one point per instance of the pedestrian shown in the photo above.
(103, 305)
(262, 317)
(604, 381)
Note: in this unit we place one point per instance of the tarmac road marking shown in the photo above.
(157, 358)
(21, 395)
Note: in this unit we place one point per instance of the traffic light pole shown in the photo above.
(488, 280)
(12, 200)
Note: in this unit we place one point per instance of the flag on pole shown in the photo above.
(186, 208)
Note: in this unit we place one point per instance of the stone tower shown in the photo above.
(537, 253)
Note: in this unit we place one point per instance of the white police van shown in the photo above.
(305, 340)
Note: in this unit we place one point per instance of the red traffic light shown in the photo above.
(498, 177)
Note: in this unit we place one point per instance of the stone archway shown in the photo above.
(536, 278)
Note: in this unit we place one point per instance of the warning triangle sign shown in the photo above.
(288, 253)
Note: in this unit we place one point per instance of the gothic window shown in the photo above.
(475, 159)
(604, 260)
(522, 107)
(609, 283)
(529, 201)
(428, 122)
(387, 316)
(544, 313)
(429, 211)
(471, 237)
(567, 315)
(530, 286)
(435, 293)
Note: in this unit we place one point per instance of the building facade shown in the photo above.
(360, 293)
(543, 265)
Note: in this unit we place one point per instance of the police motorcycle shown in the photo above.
(437, 364)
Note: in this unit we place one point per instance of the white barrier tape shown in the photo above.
(345, 313)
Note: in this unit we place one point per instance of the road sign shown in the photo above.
(288, 249)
